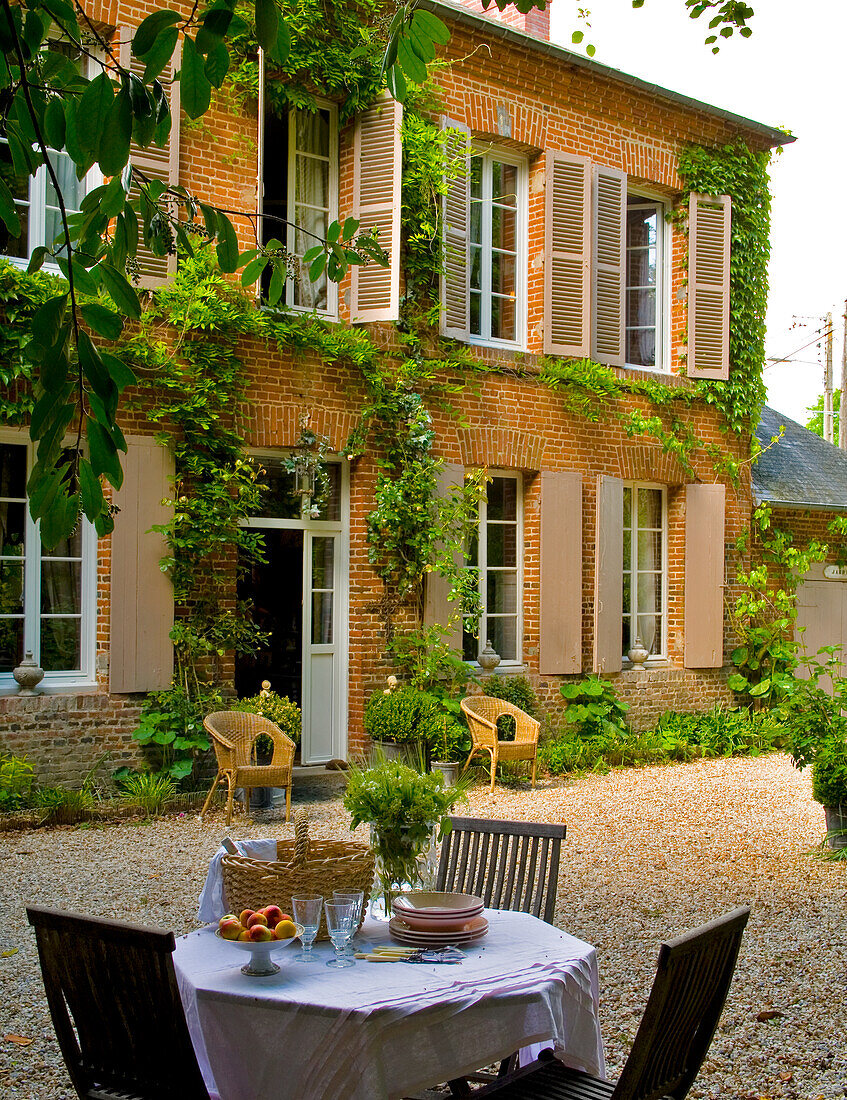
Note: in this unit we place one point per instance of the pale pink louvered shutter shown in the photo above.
(377, 152)
(709, 223)
(155, 162)
(438, 609)
(608, 576)
(455, 308)
(705, 507)
(609, 279)
(567, 255)
(141, 602)
(560, 590)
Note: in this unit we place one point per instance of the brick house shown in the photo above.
(557, 244)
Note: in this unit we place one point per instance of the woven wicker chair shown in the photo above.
(234, 736)
(482, 712)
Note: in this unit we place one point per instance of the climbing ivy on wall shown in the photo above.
(742, 173)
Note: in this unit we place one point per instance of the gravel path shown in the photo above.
(650, 853)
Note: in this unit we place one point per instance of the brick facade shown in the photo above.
(533, 102)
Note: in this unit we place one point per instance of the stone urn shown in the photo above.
(488, 659)
(28, 675)
(638, 654)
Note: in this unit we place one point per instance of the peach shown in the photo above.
(246, 914)
(231, 928)
(259, 933)
(257, 918)
(244, 934)
(274, 915)
(285, 930)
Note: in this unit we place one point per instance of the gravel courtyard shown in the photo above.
(650, 853)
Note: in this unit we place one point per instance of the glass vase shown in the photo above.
(405, 858)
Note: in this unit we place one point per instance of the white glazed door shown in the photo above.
(321, 681)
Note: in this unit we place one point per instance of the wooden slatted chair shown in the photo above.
(676, 1031)
(509, 864)
(115, 1004)
(482, 712)
(234, 734)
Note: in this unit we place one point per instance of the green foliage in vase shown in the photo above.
(401, 803)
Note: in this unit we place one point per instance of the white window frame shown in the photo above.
(661, 656)
(332, 215)
(37, 199)
(84, 676)
(482, 569)
(504, 156)
(663, 280)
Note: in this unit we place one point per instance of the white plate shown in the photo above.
(400, 931)
(438, 902)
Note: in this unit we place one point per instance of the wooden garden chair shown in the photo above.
(234, 734)
(482, 712)
(116, 1008)
(676, 1030)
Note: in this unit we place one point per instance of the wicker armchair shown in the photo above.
(482, 712)
(234, 736)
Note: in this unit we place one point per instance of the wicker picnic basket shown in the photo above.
(302, 866)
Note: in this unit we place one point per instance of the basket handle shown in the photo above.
(301, 838)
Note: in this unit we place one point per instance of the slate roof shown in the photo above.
(801, 470)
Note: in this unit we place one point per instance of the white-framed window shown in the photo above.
(300, 169)
(646, 278)
(497, 248)
(645, 571)
(47, 597)
(495, 553)
(35, 196)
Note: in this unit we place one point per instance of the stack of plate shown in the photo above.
(435, 919)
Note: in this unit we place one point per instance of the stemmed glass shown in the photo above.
(307, 911)
(339, 923)
(355, 898)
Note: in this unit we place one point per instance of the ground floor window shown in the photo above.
(645, 568)
(495, 553)
(47, 597)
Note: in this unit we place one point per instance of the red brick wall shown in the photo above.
(534, 22)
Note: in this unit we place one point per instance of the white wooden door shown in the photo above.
(321, 648)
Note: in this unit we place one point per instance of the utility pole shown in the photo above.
(842, 429)
(827, 384)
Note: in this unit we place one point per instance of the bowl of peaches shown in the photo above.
(261, 932)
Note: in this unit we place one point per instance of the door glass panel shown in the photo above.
(323, 555)
(279, 501)
(321, 618)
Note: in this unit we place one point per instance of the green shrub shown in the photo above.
(149, 792)
(403, 715)
(16, 779)
(60, 806)
(172, 732)
(829, 775)
(594, 707)
(726, 731)
(277, 708)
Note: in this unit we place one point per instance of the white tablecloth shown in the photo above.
(380, 1030)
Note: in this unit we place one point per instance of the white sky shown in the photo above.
(790, 73)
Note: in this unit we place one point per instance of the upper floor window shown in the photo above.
(47, 597)
(496, 554)
(497, 289)
(301, 195)
(644, 568)
(645, 224)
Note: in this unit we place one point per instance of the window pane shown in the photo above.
(627, 507)
(503, 498)
(476, 313)
(476, 179)
(60, 645)
(503, 228)
(627, 593)
(502, 273)
(68, 548)
(650, 632)
(321, 618)
(641, 267)
(11, 587)
(625, 640)
(323, 554)
(476, 267)
(311, 295)
(502, 592)
(649, 550)
(650, 508)
(11, 643)
(642, 226)
(641, 307)
(641, 347)
(503, 634)
(649, 592)
(311, 131)
(470, 646)
(311, 184)
(279, 501)
(332, 508)
(505, 183)
(12, 519)
(61, 587)
(476, 222)
(502, 544)
(503, 319)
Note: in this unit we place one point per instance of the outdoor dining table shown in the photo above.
(376, 1031)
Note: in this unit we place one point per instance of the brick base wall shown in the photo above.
(63, 736)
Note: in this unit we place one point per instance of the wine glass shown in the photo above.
(355, 898)
(307, 911)
(339, 923)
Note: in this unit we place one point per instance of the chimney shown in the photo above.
(535, 22)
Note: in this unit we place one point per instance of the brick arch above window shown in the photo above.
(511, 125)
(501, 447)
(643, 462)
(655, 164)
(273, 425)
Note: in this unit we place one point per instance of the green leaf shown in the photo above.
(283, 44)
(37, 258)
(431, 26)
(92, 113)
(90, 489)
(277, 283)
(215, 25)
(61, 519)
(116, 135)
(195, 89)
(9, 211)
(120, 291)
(103, 454)
(227, 248)
(423, 46)
(83, 159)
(762, 688)
(411, 64)
(159, 55)
(316, 267)
(217, 65)
(396, 83)
(267, 24)
(55, 365)
(253, 271)
(45, 408)
(94, 370)
(113, 197)
(47, 320)
(145, 37)
(120, 373)
(83, 282)
(54, 123)
(102, 320)
(737, 682)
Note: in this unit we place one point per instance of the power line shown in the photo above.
(822, 335)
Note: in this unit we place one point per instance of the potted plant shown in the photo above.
(817, 726)
(407, 812)
(402, 722)
(450, 749)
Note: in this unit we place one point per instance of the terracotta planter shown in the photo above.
(836, 826)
